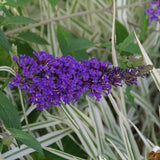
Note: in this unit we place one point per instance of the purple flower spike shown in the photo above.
(50, 80)
(154, 11)
(153, 3)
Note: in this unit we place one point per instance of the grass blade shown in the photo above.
(62, 154)
(83, 132)
(45, 140)
(98, 127)
(154, 72)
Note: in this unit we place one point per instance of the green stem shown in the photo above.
(10, 70)
(24, 112)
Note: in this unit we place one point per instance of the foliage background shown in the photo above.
(125, 125)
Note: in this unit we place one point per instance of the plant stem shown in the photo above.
(24, 112)
(114, 57)
(70, 16)
(137, 26)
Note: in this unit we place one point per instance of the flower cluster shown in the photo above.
(154, 11)
(50, 80)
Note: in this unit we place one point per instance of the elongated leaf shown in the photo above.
(18, 20)
(1, 19)
(131, 48)
(130, 97)
(26, 139)
(64, 39)
(127, 141)
(8, 113)
(144, 139)
(17, 2)
(107, 44)
(70, 117)
(63, 154)
(98, 127)
(5, 10)
(126, 42)
(154, 72)
(23, 47)
(109, 118)
(53, 3)
(71, 45)
(5, 60)
(84, 134)
(40, 125)
(5, 84)
(115, 139)
(79, 44)
(128, 138)
(82, 116)
(121, 32)
(45, 140)
(144, 26)
(4, 42)
(32, 37)
(147, 107)
(123, 157)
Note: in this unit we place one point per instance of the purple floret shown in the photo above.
(50, 80)
(153, 11)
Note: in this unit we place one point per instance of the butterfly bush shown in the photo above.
(50, 81)
(153, 11)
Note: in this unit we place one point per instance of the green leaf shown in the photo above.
(53, 3)
(23, 47)
(84, 134)
(5, 84)
(1, 145)
(4, 42)
(79, 44)
(63, 154)
(5, 60)
(26, 139)
(107, 44)
(127, 41)
(64, 38)
(71, 45)
(144, 26)
(1, 19)
(45, 140)
(79, 55)
(132, 48)
(130, 97)
(8, 113)
(128, 47)
(121, 32)
(32, 37)
(73, 149)
(17, 3)
(98, 126)
(154, 72)
(5, 10)
(18, 20)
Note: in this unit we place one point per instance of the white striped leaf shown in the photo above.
(154, 73)
(45, 140)
(63, 154)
